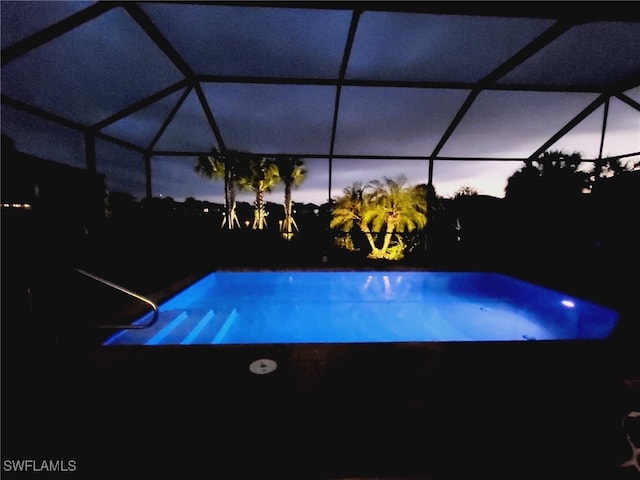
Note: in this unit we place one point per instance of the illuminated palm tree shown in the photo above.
(348, 212)
(394, 208)
(292, 174)
(220, 166)
(259, 175)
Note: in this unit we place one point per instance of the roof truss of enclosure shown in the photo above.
(326, 80)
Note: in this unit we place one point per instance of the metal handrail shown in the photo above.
(120, 288)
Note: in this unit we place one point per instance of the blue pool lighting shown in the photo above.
(272, 307)
(198, 328)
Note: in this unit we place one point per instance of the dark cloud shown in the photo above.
(394, 121)
(109, 63)
(273, 118)
(263, 41)
(597, 53)
(90, 72)
(436, 47)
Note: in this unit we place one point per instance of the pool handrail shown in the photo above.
(131, 293)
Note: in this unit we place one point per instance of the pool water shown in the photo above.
(265, 307)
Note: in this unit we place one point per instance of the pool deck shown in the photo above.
(430, 411)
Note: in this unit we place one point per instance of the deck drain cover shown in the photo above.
(263, 366)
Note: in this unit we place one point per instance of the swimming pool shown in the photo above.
(362, 373)
(302, 307)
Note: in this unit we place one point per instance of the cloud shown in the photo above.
(108, 64)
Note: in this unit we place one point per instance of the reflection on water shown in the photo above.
(352, 307)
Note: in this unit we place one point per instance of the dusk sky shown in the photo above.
(270, 78)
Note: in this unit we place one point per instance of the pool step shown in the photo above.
(179, 327)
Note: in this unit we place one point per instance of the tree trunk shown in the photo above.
(259, 217)
(288, 222)
(387, 238)
(375, 251)
(230, 217)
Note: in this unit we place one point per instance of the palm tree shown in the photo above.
(394, 208)
(609, 167)
(260, 175)
(545, 204)
(221, 166)
(292, 173)
(347, 213)
(390, 207)
(560, 174)
(552, 177)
